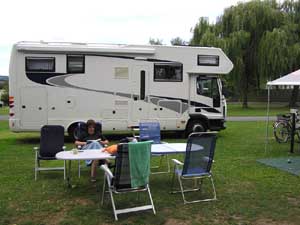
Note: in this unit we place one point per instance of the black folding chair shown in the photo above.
(51, 142)
(197, 164)
(120, 181)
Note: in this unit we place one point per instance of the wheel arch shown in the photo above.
(202, 118)
(199, 120)
(72, 126)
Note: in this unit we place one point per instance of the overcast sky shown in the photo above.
(109, 21)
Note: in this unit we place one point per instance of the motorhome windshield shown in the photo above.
(207, 86)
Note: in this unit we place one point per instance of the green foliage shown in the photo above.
(4, 110)
(260, 37)
(178, 41)
(156, 41)
(5, 94)
(199, 30)
(273, 54)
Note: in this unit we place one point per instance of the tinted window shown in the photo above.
(208, 60)
(170, 72)
(207, 87)
(75, 64)
(40, 64)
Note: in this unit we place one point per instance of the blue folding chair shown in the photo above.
(197, 164)
(151, 131)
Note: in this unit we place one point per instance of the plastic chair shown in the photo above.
(121, 180)
(197, 164)
(51, 142)
(151, 131)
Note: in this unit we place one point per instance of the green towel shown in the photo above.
(139, 158)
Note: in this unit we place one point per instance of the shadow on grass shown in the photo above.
(28, 140)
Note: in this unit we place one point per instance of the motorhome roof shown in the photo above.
(94, 47)
(88, 47)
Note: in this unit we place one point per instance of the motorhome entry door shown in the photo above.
(33, 107)
(140, 86)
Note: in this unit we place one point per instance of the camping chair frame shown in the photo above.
(38, 168)
(160, 164)
(112, 189)
(197, 178)
(151, 131)
(38, 158)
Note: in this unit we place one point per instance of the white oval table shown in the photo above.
(92, 154)
(89, 154)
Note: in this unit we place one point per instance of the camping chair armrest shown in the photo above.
(36, 148)
(177, 162)
(107, 171)
(64, 148)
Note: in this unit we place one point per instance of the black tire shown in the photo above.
(73, 131)
(281, 132)
(195, 126)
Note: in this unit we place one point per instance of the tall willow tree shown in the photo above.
(242, 31)
(199, 30)
(273, 55)
(254, 19)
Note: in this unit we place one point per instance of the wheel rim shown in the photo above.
(198, 128)
(281, 132)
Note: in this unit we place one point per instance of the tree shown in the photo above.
(5, 94)
(199, 30)
(156, 41)
(260, 37)
(273, 57)
(178, 41)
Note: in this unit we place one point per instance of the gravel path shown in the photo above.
(3, 117)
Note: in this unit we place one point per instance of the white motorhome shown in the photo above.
(119, 85)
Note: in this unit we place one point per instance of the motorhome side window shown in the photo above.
(207, 87)
(40, 64)
(75, 63)
(208, 60)
(169, 72)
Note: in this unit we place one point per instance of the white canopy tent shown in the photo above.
(291, 79)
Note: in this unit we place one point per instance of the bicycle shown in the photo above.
(283, 128)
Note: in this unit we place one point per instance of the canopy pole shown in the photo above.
(267, 124)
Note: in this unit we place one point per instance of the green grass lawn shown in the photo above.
(256, 109)
(247, 192)
(4, 110)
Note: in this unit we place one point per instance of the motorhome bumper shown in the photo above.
(216, 125)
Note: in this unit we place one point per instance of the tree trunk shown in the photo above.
(245, 99)
(294, 96)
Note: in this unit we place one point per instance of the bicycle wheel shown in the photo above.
(281, 132)
(297, 131)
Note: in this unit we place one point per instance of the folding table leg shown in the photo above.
(64, 169)
(69, 174)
